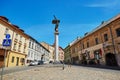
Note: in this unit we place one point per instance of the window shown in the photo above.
(118, 32)
(6, 31)
(29, 44)
(24, 49)
(14, 46)
(17, 61)
(83, 46)
(96, 41)
(13, 59)
(32, 45)
(105, 37)
(19, 48)
(87, 44)
(20, 38)
(29, 54)
(75, 49)
(22, 60)
(25, 40)
(16, 36)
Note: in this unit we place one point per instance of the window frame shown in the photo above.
(88, 45)
(6, 31)
(13, 59)
(96, 41)
(118, 32)
(106, 37)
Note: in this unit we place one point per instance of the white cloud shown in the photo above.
(105, 4)
(98, 5)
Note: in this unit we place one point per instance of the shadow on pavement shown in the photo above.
(101, 66)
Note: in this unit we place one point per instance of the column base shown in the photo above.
(57, 62)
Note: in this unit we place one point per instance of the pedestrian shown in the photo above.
(69, 63)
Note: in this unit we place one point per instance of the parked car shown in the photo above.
(33, 63)
(40, 62)
(51, 62)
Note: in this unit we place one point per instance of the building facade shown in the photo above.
(61, 54)
(101, 46)
(52, 52)
(16, 53)
(23, 49)
(34, 51)
(51, 49)
(45, 52)
(67, 54)
(75, 51)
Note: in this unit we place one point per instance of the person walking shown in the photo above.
(69, 63)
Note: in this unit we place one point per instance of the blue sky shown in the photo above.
(76, 17)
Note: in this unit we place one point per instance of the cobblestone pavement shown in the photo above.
(69, 73)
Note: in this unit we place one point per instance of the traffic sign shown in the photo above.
(6, 42)
(7, 36)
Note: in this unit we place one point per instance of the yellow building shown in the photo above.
(16, 54)
(67, 54)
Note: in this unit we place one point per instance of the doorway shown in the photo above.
(1, 60)
(110, 59)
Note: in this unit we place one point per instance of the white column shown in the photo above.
(56, 47)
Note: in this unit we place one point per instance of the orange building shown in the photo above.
(101, 46)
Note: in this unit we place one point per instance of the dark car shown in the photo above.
(51, 62)
(40, 62)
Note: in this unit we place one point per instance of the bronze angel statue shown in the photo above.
(56, 21)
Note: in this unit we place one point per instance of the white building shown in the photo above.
(36, 51)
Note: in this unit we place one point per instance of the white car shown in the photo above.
(33, 63)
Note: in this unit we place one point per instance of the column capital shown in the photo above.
(56, 33)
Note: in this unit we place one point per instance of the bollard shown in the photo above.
(63, 66)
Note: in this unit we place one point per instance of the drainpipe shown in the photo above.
(113, 44)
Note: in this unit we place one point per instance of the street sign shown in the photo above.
(6, 42)
(7, 36)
